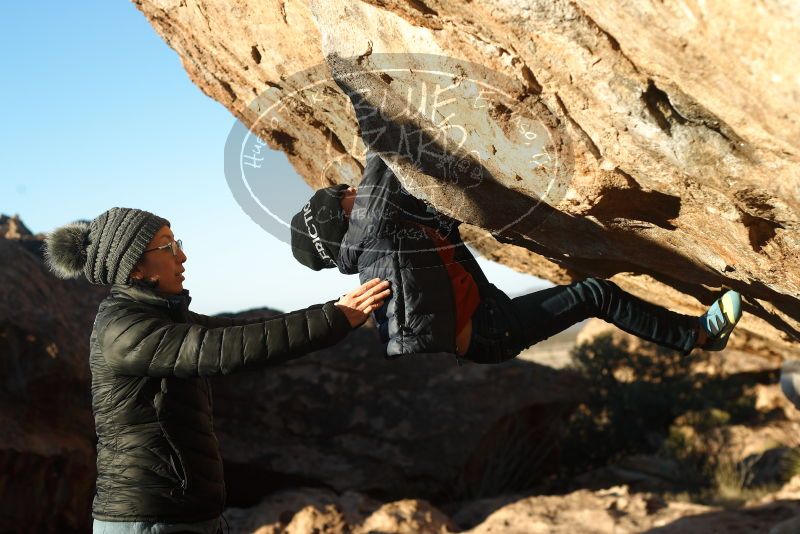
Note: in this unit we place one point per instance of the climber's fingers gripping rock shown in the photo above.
(358, 304)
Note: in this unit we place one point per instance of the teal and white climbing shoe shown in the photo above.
(720, 319)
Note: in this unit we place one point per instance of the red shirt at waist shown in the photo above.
(465, 290)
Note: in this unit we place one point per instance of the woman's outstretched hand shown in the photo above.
(358, 304)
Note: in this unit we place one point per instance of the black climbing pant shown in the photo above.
(503, 327)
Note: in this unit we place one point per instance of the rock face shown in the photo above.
(305, 510)
(611, 510)
(665, 134)
(47, 454)
(346, 419)
(615, 510)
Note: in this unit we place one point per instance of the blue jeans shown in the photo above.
(503, 327)
(212, 526)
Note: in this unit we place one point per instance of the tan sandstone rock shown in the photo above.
(613, 510)
(306, 510)
(673, 126)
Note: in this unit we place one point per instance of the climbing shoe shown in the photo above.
(720, 319)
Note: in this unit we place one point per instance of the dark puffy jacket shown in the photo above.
(157, 456)
(384, 241)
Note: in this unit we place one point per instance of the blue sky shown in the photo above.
(98, 112)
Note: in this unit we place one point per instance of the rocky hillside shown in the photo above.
(657, 444)
(47, 455)
(612, 510)
(628, 438)
(344, 419)
(653, 142)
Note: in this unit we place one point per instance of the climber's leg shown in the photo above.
(495, 328)
(549, 311)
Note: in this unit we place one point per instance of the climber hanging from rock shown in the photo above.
(441, 300)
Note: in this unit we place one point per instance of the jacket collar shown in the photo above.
(150, 296)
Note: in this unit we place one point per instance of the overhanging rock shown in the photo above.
(674, 126)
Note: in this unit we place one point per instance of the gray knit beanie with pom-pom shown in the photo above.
(104, 249)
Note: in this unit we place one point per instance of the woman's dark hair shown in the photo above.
(145, 283)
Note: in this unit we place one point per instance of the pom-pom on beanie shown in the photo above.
(105, 249)
(317, 230)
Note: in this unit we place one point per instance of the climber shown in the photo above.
(158, 462)
(441, 300)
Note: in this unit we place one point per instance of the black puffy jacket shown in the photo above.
(383, 240)
(157, 456)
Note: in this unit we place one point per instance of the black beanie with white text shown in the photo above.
(318, 229)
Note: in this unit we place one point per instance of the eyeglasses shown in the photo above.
(174, 245)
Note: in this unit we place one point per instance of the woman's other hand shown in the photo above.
(358, 304)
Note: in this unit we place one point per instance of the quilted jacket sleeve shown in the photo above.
(135, 341)
(214, 321)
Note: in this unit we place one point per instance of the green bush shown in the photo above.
(635, 398)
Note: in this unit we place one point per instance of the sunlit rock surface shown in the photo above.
(673, 128)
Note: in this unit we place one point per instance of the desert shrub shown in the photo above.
(791, 462)
(635, 397)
